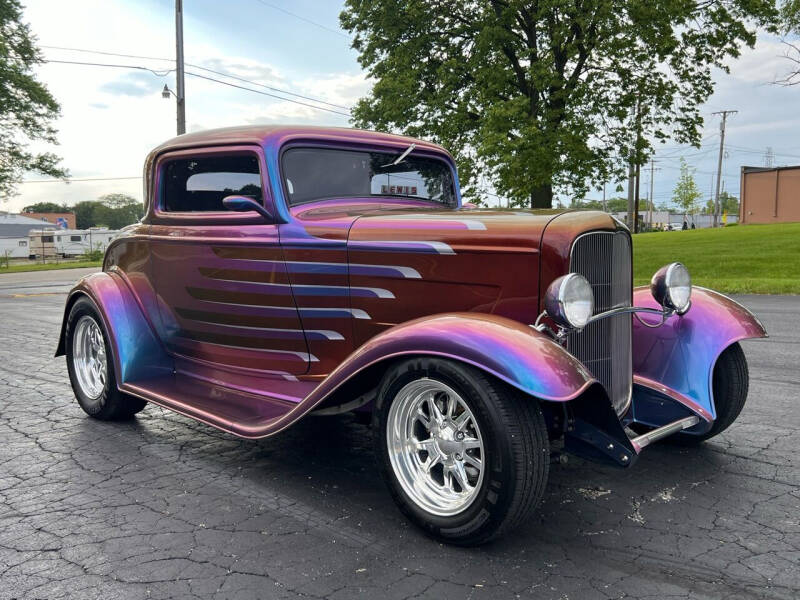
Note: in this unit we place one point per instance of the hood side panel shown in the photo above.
(449, 260)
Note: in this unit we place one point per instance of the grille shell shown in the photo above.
(604, 258)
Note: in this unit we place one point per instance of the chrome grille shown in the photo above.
(604, 258)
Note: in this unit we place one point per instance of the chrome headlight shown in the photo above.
(569, 301)
(671, 286)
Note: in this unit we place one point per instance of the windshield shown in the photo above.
(316, 173)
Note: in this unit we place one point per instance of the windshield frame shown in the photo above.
(390, 150)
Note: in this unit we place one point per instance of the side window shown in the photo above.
(199, 184)
(74, 238)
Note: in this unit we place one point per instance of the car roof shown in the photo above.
(277, 135)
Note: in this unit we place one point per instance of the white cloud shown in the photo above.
(112, 117)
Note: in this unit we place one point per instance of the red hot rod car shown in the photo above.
(281, 271)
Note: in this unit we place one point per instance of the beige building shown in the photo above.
(769, 195)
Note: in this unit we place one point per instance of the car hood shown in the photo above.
(449, 231)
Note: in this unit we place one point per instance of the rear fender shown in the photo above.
(676, 360)
(137, 353)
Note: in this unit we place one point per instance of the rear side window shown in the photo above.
(200, 184)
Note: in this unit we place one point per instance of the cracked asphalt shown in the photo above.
(163, 507)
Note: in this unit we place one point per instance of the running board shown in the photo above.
(241, 413)
(648, 438)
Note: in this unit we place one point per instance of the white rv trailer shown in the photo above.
(74, 242)
(41, 244)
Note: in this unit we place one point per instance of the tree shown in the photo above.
(85, 214)
(613, 205)
(46, 207)
(686, 193)
(110, 210)
(26, 107)
(542, 92)
(728, 204)
(790, 28)
(118, 210)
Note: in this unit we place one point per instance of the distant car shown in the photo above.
(285, 271)
(673, 227)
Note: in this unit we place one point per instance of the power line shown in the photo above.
(296, 16)
(69, 180)
(241, 87)
(93, 64)
(202, 68)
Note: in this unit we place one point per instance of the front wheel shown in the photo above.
(465, 456)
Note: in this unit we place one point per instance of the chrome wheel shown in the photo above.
(89, 357)
(435, 447)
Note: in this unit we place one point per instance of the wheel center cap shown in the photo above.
(447, 442)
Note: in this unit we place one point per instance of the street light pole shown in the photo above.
(181, 95)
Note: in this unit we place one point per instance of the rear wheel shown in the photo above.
(731, 382)
(465, 456)
(91, 372)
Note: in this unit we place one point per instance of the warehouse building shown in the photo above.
(769, 195)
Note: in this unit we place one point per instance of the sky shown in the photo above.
(112, 117)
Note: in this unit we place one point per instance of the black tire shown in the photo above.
(731, 381)
(111, 404)
(516, 453)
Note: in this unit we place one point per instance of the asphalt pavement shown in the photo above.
(164, 507)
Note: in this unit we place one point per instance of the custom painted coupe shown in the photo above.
(286, 271)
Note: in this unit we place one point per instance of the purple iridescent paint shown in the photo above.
(680, 355)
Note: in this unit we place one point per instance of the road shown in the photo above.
(163, 507)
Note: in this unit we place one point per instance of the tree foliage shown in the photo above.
(113, 210)
(790, 29)
(727, 204)
(613, 205)
(26, 107)
(686, 193)
(542, 93)
(46, 207)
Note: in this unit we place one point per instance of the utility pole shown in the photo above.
(181, 92)
(638, 165)
(631, 174)
(605, 208)
(636, 200)
(724, 114)
(652, 170)
(632, 171)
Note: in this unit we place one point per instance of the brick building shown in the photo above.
(53, 219)
(769, 195)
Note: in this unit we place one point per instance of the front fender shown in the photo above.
(515, 353)
(678, 358)
(137, 353)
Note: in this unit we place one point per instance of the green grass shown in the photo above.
(50, 266)
(759, 259)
